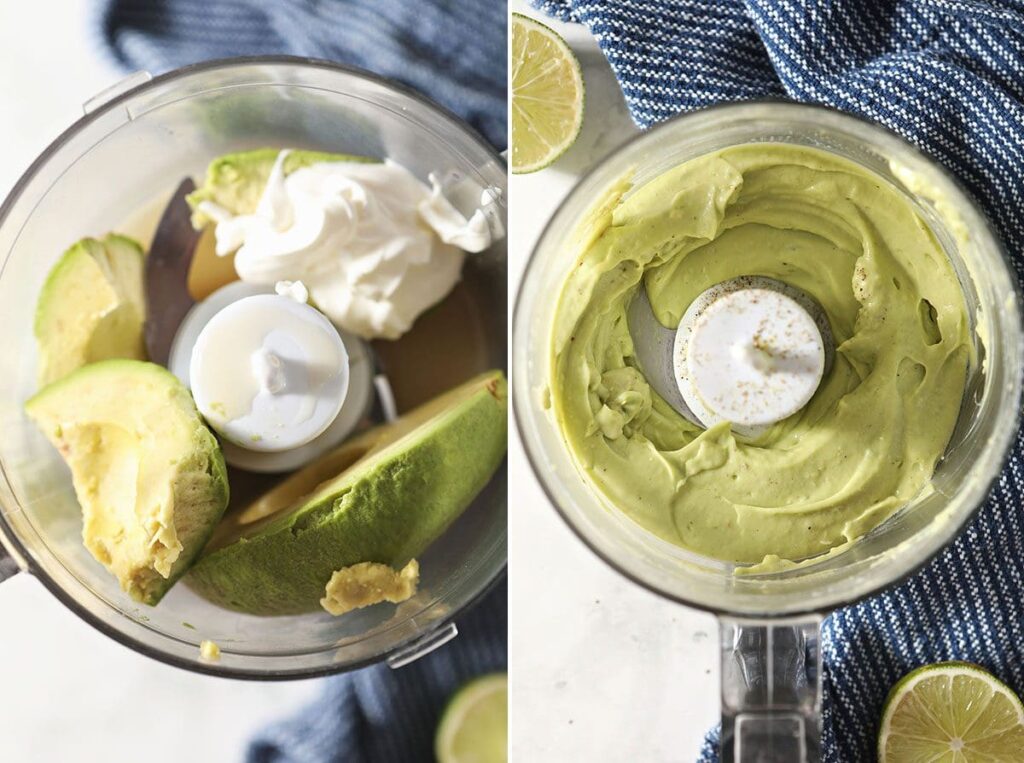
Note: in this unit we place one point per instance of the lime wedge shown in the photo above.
(474, 727)
(547, 95)
(951, 712)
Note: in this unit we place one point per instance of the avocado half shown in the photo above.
(382, 497)
(236, 181)
(91, 307)
(148, 474)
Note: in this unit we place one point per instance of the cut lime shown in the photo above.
(547, 95)
(474, 727)
(951, 712)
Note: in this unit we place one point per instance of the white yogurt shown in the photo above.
(374, 245)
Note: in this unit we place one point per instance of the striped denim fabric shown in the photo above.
(948, 75)
(452, 50)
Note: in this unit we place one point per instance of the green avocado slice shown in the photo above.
(236, 181)
(91, 307)
(148, 474)
(382, 497)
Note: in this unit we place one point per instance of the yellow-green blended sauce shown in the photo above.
(869, 439)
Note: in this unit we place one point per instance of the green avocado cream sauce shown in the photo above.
(868, 441)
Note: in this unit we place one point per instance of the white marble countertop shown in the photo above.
(68, 693)
(601, 669)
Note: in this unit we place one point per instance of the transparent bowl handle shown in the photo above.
(771, 690)
(119, 88)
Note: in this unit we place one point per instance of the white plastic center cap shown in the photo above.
(269, 373)
(750, 353)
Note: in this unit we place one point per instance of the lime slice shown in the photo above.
(547, 95)
(474, 727)
(951, 712)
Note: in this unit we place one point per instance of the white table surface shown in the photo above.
(67, 693)
(601, 669)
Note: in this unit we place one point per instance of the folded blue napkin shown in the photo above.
(948, 75)
(452, 50)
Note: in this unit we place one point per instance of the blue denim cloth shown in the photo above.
(452, 50)
(949, 76)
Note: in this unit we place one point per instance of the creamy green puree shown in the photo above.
(869, 439)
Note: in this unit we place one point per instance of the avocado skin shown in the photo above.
(236, 181)
(387, 513)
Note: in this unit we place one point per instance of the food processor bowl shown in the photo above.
(126, 156)
(770, 690)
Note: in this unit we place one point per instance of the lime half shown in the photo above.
(951, 712)
(474, 727)
(547, 95)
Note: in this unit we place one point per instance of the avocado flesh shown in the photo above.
(383, 497)
(91, 307)
(236, 181)
(369, 583)
(148, 474)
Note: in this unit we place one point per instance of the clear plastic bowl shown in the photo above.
(983, 435)
(771, 697)
(126, 156)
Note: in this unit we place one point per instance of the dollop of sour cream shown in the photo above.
(374, 245)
